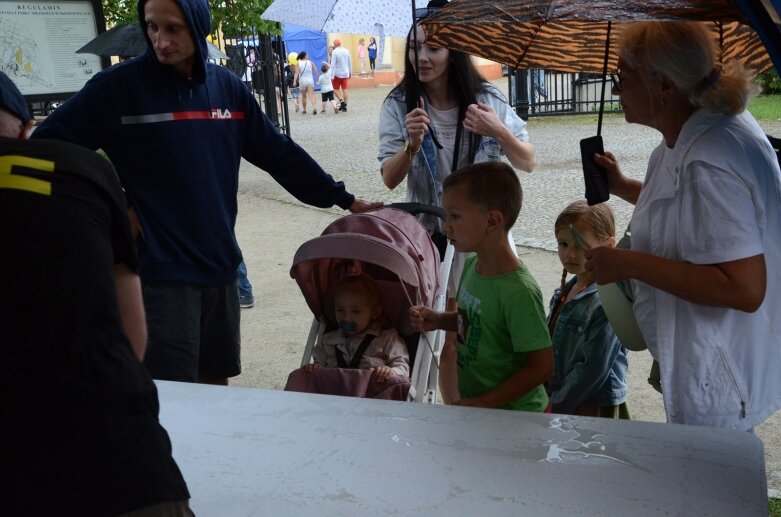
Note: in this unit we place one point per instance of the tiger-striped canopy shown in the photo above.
(569, 35)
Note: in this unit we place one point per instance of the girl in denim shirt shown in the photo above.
(590, 363)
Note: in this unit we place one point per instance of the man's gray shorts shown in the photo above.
(193, 330)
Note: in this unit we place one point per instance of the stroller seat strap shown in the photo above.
(357, 356)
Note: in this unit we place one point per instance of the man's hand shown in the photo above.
(359, 206)
(310, 367)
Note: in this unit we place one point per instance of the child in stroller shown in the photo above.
(360, 342)
(393, 249)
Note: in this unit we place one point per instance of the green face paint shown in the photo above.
(577, 238)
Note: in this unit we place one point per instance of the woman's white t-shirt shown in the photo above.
(305, 76)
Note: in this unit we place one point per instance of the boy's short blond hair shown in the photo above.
(493, 186)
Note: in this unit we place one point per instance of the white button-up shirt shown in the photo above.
(715, 197)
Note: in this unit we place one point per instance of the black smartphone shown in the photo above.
(595, 175)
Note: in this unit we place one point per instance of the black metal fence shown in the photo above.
(539, 93)
(259, 60)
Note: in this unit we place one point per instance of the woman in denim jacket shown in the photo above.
(470, 120)
(590, 363)
(444, 117)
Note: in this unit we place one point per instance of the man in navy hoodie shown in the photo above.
(176, 127)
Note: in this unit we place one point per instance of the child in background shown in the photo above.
(503, 355)
(589, 376)
(372, 48)
(362, 55)
(291, 79)
(326, 88)
(360, 342)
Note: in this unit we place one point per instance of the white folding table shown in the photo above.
(248, 452)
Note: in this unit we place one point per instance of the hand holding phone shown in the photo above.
(595, 176)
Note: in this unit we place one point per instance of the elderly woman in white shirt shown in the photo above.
(705, 229)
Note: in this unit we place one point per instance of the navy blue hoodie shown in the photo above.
(177, 143)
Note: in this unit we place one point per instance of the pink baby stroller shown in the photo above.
(391, 246)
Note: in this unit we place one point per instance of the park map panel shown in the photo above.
(38, 43)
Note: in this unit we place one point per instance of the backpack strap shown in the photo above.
(356, 360)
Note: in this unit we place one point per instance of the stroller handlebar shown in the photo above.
(419, 208)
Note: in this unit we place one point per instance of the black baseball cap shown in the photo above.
(11, 99)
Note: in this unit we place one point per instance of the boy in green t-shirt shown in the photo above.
(503, 351)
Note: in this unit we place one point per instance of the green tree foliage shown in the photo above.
(241, 17)
(235, 17)
(770, 82)
(119, 12)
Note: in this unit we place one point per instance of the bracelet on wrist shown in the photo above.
(409, 150)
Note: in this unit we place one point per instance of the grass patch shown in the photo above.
(581, 118)
(774, 507)
(766, 107)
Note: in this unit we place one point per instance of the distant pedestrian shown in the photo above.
(342, 69)
(372, 48)
(326, 88)
(306, 81)
(362, 55)
(250, 76)
(291, 78)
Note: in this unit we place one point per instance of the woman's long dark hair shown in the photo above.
(464, 82)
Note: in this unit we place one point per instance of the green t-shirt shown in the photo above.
(500, 318)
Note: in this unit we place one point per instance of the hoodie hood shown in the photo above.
(198, 17)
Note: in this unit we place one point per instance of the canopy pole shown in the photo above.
(604, 81)
(415, 40)
(419, 93)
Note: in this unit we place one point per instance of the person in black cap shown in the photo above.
(80, 412)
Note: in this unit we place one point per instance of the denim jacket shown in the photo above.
(590, 363)
(423, 183)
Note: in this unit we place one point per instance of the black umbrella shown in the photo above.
(128, 41)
